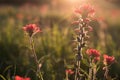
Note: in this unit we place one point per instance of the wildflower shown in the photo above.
(86, 10)
(108, 59)
(96, 59)
(69, 71)
(93, 52)
(21, 78)
(31, 29)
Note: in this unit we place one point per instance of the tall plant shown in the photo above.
(85, 14)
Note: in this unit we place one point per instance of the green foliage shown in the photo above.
(54, 44)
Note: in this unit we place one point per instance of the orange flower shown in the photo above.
(108, 59)
(93, 52)
(69, 71)
(21, 78)
(31, 29)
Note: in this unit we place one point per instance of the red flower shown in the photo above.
(108, 59)
(96, 59)
(93, 52)
(69, 71)
(21, 78)
(86, 10)
(31, 29)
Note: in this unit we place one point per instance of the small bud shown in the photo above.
(40, 65)
(104, 68)
(69, 71)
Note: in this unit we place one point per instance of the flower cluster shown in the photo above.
(84, 14)
(82, 29)
(93, 52)
(31, 29)
(108, 59)
(85, 11)
(21, 78)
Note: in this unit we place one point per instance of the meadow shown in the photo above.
(54, 45)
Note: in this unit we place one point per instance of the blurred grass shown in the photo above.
(55, 41)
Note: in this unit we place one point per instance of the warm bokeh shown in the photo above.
(54, 17)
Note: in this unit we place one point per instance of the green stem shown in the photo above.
(90, 70)
(40, 76)
(67, 76)
(35, 58)
(94, 72)
(77, 72)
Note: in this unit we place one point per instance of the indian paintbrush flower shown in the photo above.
(82, 29)
(85, 10)
(93, 52)
(108, 59)
(21, 78)
(94, 57)
(31, 29)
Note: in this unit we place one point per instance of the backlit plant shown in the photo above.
(31, 30)
(85, 14)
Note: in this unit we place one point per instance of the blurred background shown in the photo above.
(54, 18)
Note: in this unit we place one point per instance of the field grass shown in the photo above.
(54, 43)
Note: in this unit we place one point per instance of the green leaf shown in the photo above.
(2, 77)
(84, 72)
(7, 68)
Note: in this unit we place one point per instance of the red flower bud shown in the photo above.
(69, 71)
